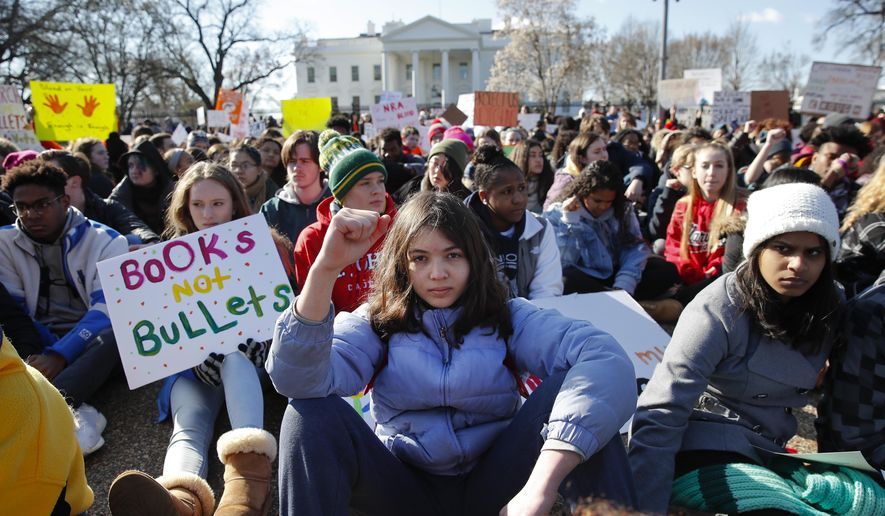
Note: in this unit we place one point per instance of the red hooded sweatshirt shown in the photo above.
(355, 280)
(700, 260)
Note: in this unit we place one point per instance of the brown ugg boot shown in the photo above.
(247, 454)
(134, 493)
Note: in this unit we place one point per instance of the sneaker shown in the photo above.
(88, 436)
(98, 421)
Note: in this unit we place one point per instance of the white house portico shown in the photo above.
(431, 60)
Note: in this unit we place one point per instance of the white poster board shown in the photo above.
(173, 303)
(179, 135)
(840, 88)
(396, 113)
(217, 118)
(201, 116)
(14, 123)
(528, 121)
(730, 106)
(465, 104)
(620, 316)
(677, 92)
(390, 96)
(709, 81)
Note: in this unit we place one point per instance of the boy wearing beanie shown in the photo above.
(356, 179)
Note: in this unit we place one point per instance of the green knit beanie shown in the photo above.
(346, 161)
(453, 149)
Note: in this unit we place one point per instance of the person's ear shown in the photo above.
(483, 196)
(75, 182)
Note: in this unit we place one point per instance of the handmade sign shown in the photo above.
(709, 82)
(465, 105)
(677, 92)
(620, 316)
(769, 104)
(67, 111)
(529, 121)
(231, 102)
(14, 123)
(396, 113)
(216, 118)
(305, 114)
(840, 88)
(730, 107)
(495, 108)
(453, 115)
(173, 303)
(179, 135)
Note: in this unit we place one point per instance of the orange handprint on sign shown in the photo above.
(53, 104)
(89, 105)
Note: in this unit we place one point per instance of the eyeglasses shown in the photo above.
(438, 162)
(21, 209)
(242, 166)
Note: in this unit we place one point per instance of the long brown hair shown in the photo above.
(393, 304)
(178, 217)
(870, 198)
(725, 204)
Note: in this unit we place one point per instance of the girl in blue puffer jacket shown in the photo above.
(443, 348)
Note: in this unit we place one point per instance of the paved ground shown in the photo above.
(134, 441)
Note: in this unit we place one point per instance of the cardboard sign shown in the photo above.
(396, 114)
(495, 108)
(769, 104)
(67, 111)
(677, 92)
(453, 115)
(730, 107)
(840, 88)
(216, 118)
(311, 114)
(231, 102)
(709, 82)
(620, 316)
(173, 303)
(14, 123)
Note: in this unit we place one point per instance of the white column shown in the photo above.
(445, 78)
(475, 58)
(385, 70)
(415, 75)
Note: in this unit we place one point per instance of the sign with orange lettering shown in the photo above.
(495, 108)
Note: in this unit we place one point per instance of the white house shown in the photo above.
(429, 59)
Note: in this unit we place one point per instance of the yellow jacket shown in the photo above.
(39, 452)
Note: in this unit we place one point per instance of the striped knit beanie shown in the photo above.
(346, 161)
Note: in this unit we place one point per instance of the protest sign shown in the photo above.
(173, 303)
(14, 123)
(201, 115)
(309, 114)
(216, 118)
(769, 104)
(179, 135)
(396, 114)
(241, 129)
(231, 102)
(677, 92)
(390, 96)
(730, 107)
(465, 105)
(528, 121)
(709, 82)
(67, 111)
(453, 115)
(620, 316)
(495, 108)
(840, 88)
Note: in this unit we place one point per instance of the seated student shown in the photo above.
(245, 163)
(599, 239)
(356, 178)
(662, 200)
(271, 159)
(836, 154)
(745, 352)
(99, 178)
(851, 411)
(207, 195)
(774, 153)
(400, 167)
(583, 150)
(147, 186)
(411, 141)
(862, 257)
(294, 207)
(451, 436)
(523, 244)
(48, 265)
(109, 213)
(43, 470)
(445, 169)
(178, 160)
(529, 157)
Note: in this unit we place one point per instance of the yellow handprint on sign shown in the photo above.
(53, 104)
(89, 105)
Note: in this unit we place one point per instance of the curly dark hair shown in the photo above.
(847, 136)
(35, 172)
(490, 162)
(603, 175)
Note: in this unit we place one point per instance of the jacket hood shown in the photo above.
(287, 194)
(529, 224)
(149, 152)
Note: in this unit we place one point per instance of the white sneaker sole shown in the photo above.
(98, 444)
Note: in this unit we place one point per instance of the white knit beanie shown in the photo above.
(787, 208)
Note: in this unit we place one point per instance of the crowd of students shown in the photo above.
(413, 261)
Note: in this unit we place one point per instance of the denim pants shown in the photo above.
(82, 378)
(195, 407)
(331, 463)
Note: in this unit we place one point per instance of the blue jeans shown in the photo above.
(331, 463)
(83, 377)
(195, 407)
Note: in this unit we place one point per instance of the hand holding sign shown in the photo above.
(89, 105)
(54, 104)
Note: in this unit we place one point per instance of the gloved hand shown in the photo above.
(209, 372)
(255, 351)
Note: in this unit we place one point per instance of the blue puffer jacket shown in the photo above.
(592, 245)
(439, 407)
